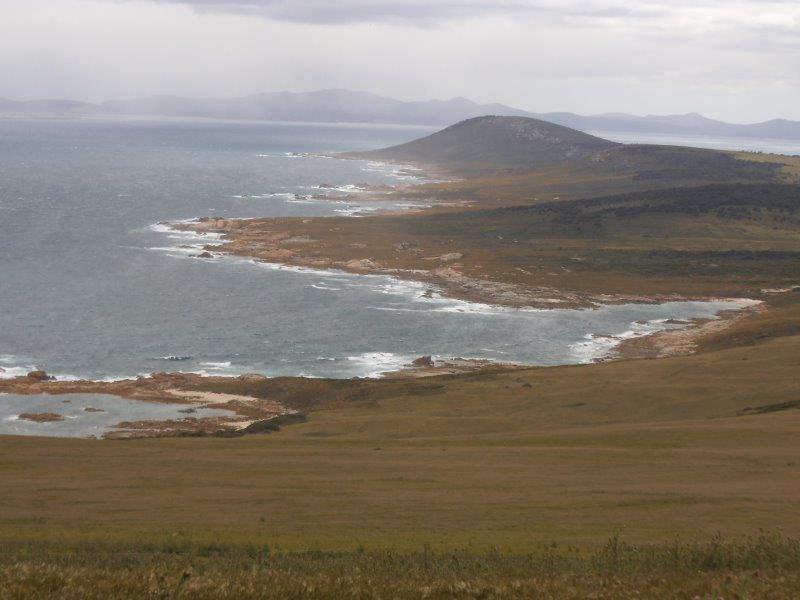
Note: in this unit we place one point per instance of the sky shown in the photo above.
(737, 60)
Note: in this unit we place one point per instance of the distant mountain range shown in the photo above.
(343, 106)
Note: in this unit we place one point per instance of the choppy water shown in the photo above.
(88, 288)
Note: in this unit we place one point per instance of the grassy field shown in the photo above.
(648, 448)
(508, 482)
(675, 477)
(758, 567)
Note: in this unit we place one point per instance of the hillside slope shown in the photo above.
(483, 145)
(495, 141)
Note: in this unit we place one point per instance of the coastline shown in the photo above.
(684, 340)
(277, 243)
(267, 413)
(248, 414)
(271, 241)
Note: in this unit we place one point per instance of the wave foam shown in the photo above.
(192, 242)
(217, 365)
(12, 372)
(375, 364)
(322, 286)
(596, 346)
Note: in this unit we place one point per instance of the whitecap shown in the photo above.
(596, 346)
(375, 364)
(216, 365)
(10, 372)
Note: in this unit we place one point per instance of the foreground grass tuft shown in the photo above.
(764, 566)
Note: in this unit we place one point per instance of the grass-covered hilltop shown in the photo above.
(497, 142)
(672, 471)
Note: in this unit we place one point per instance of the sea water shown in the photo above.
(91, 286)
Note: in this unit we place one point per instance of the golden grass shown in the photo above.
(650, 448)
(762, 566)
(483, 470)
(790, 169)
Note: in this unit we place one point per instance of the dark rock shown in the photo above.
(204, 255)
(46, 417)
(422, 361)
(39, 375)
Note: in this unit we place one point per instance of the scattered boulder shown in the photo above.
(450, 256)
(93, 409)
(422, 361)
(362, 264)
(204, 255)
(298, 239)
(39, 375)
(406, 245)
(46, 417)
(252, 377)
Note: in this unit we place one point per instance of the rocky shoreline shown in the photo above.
(272, 241)
(247, 414)
(295, 242)
(250, 414)
(682, 341)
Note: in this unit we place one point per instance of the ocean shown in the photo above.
(91, 286)
(766, 145)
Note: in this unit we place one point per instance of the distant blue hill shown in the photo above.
(343, 106)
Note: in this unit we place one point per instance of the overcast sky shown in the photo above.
(737, 60)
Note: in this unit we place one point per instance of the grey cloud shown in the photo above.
(352, 11)
(423, 12)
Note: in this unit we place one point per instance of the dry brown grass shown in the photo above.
(484, 470)
(651, 448)
(763, 566)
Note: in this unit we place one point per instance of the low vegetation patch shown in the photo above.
(764, 566)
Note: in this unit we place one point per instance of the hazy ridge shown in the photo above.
(344, 106)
